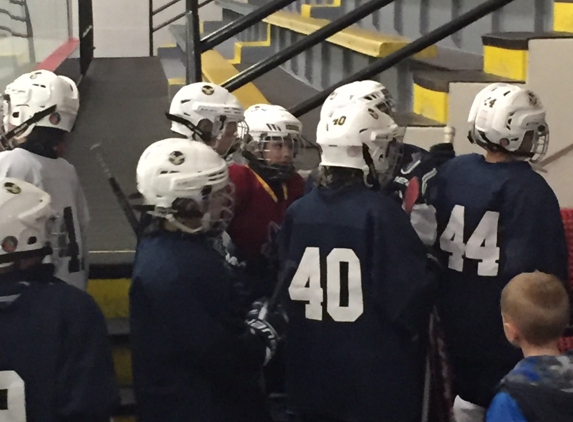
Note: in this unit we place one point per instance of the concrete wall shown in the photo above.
(121, 27)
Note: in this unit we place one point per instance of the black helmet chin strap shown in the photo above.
(205, 137)
(20, 129)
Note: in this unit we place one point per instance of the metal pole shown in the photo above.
(420, 44)
(231, 29)
(150, 28)
(193, 43)
(307, 42)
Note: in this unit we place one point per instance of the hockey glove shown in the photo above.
(270, 326)
(441, 153)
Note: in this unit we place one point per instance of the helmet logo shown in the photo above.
(55, 118)
(504, 142)
(34, 75)
(9, 244)
(176, 158)
(532, 99)
(373, 113)
(208, 90)
(12, 188)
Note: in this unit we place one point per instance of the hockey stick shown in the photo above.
(116, 188)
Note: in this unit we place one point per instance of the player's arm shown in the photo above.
(533, 232)
(87, 390)
(404, 287)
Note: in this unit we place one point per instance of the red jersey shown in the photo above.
(259, 211)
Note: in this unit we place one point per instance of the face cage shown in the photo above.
(229, 133)
(389, 163)
(536, 145)
(533, 146)
(386, 105)
(203, 210)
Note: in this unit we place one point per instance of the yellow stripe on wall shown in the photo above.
(563, 17)
(506, 63)
(240, 44)
(112, 296)
(431, 104)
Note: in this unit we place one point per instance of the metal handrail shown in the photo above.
(11, 16)
(153, 12)
(165, 6)
(233, 28)
(26, 19)
(414, 47)
(167, 22)
(307, 42)
(14, 34)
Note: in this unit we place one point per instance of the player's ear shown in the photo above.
(511, 331)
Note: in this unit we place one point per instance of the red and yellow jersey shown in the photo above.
(259, 211)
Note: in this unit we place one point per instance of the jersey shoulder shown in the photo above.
(17, 163)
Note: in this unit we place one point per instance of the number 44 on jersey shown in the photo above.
(481, 246)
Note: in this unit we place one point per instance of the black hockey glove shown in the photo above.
(270, 326)
(441, 153)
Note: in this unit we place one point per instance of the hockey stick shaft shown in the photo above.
(449, 134)
(116, 188)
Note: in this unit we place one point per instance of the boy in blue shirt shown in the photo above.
(535, 311)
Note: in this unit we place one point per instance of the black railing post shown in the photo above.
(150, 28)
(231, 29)
(414, 47)
(311, 40)
(193, 41)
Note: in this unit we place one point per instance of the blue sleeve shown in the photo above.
(87, 389)
(536, 236)
(407, 291)
(504, 409)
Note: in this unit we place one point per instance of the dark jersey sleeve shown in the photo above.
(87, 390)
(399, 258)
(533, 215)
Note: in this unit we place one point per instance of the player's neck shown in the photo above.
(497, 157)
(530, 350)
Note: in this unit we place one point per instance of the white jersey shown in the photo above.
(58, 178)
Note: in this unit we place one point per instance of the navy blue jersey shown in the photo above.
(358, 305)
(416, 163)
(494, 221)
(193, 357)
(53, 347)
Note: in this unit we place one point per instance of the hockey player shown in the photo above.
(358, 290)
(39, 108)
(496, 218)
(415, 163)
(264, 188)
(194, 357)
(55, 361)
(208, 113)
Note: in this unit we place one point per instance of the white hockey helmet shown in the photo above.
(272, 129)
(186, 180)
(42, 99)
(351, 128)
(27, 221)
(208, 113)
(511, 119)
(365, 91)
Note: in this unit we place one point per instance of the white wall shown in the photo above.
(121, 27)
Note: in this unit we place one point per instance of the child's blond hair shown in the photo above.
(538, 305)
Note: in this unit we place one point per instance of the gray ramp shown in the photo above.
(122, 107)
